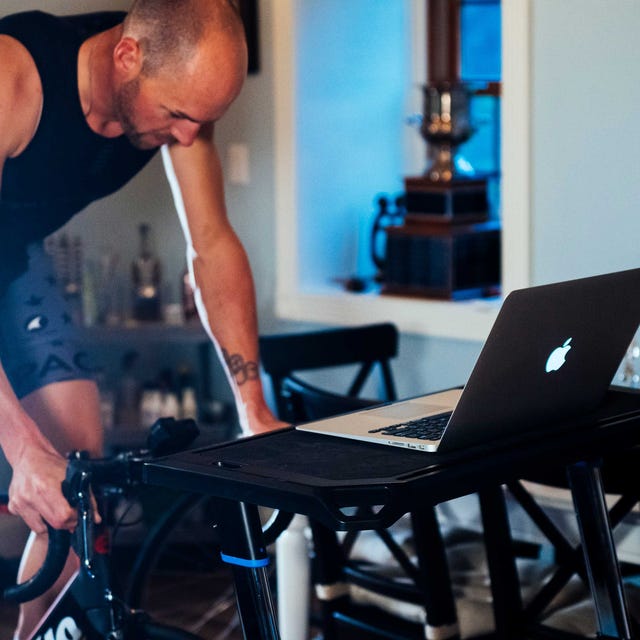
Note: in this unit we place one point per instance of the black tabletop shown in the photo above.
(328, 478)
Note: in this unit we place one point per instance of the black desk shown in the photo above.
(325, 478)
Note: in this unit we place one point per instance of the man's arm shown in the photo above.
(38, 470)
(224, 284)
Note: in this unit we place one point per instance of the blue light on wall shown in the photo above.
(480, 27)
(352, 78)
(481, 63)
(353, 90)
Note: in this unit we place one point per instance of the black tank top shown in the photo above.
(66, 165)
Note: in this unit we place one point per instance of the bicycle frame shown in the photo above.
(86, 607)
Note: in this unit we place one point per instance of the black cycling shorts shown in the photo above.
(38, 341)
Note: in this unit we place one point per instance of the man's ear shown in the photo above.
(127, 58)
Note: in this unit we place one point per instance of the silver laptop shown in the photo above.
(551, 354)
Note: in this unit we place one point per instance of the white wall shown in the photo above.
(112, 222)
(585, 137)
(581, 144)
(585, 181)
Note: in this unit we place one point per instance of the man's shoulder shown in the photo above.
(17, 59)
(20, 95)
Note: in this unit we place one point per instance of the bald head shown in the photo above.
(178, 64)
(169, 31)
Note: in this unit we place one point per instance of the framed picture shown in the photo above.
(249, 12)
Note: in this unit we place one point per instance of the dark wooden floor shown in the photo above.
(202, 604)
(204, 601)
(8, 617)
(206, 609)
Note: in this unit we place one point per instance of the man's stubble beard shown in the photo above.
(124, 101)
(124, 105)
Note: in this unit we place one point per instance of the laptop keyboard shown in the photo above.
(427, 428)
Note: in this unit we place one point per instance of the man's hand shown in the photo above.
(35, 493)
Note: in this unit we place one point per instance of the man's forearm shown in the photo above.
(223, 284)
(226, 301)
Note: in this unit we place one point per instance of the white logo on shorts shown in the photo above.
(37, 323)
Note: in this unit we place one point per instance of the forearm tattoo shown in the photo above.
(240, 370)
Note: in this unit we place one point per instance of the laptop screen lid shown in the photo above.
(551, 354)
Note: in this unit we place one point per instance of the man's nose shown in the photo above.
(185, 132)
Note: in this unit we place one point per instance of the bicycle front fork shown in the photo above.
(242, 547)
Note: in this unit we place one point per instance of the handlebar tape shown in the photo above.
(57, 552)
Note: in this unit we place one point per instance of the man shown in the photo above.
(84, 103)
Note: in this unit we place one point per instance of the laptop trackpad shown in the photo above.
(407, 410)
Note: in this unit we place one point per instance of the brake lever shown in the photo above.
(77, 490)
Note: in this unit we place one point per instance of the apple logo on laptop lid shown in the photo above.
(557, 357)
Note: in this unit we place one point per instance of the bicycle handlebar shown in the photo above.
(165, 436)
(57, 552)
(80, 473)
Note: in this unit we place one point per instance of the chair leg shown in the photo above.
(569, 558)
(432, 577)
(331, 590)
(505, 584)
(441, 615)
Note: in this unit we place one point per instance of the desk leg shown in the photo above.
(242, 547)
(435, 581)
(600, 555)
(505, 583)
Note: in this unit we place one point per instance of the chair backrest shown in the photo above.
(305, 402)
(371, 347)
(285, 355)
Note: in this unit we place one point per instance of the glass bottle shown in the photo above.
(146, 275)
(189, 309)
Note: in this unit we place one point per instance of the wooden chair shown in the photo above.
(620, 478)
(335, 571)
(540, 612)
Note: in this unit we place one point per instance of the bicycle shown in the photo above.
(89, 606)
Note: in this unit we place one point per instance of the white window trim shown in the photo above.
(469, 320)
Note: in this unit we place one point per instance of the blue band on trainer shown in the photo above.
(245, 562)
